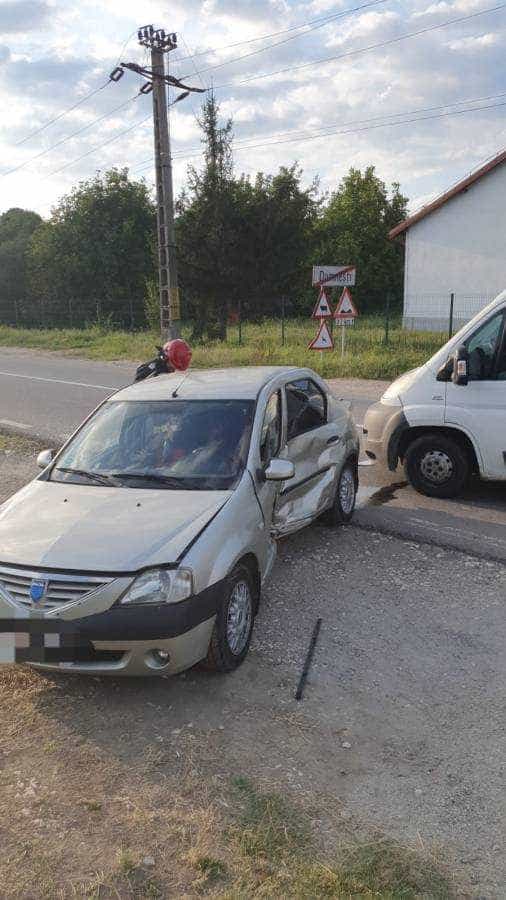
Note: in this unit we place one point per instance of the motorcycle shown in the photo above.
(174, 356)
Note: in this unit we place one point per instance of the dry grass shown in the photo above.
(12, 443)
(82, 819)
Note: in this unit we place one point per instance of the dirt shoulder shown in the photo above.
(385, 781)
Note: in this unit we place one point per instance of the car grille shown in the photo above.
(60, 589)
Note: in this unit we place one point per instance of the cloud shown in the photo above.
(475, 42)
(461, 7)
(366, 25)
(77, 49)
(22, 15)
(248, 10)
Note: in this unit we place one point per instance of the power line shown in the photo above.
(322, 132)
(263, 37)
(98, 147)
(69, 137)
(459, 112)
(62, 114)
(77, 104)
(293, 37)
(124, 46)
(197, 73)
(199, 77)
(358, 50)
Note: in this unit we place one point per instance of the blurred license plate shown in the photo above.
(42, 647)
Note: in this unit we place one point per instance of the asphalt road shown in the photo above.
(47, 396)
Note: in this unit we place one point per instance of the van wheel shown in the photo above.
(233, 628)
(343, 507)
(436, 466)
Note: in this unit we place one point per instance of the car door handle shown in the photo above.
(334, 439)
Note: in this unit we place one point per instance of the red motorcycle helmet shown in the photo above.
(178, 354)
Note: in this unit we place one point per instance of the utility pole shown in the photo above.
(170, 306)
(160, 44)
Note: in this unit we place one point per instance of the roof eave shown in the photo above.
(448, 195)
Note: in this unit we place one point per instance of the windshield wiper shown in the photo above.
(169, 481)
(93, 476)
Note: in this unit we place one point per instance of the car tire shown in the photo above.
(233, 628)
(436, 466)
(343, 507)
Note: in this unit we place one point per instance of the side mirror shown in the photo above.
(460, 375)
(446, 371)
(44, 459)
(279, 470)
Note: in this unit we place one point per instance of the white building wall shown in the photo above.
(459, 248)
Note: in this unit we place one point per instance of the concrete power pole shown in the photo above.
(160, 44)
(170, 307)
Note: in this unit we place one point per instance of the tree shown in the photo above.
(16, 229)
(279, 221)
(240, 242)
(206, 229)
(353, 229)
(91, 260)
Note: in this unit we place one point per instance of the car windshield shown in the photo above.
(168, 444)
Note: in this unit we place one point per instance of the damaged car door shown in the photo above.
(310, 445)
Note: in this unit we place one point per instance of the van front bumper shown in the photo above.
(124, 640)
(383, 428)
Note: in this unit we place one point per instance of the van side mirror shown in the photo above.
(44, 459)
(460, 375)
(446, 371)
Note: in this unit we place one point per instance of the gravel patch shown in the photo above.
(411, 667)
(17, 463)
(402, 723)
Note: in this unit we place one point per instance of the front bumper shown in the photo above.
(383, 429)
(138, 658)
(122, 640)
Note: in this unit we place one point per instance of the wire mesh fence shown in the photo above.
(441, 312)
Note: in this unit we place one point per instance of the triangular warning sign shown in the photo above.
(322, 309)
(346, 309)
(323, 340)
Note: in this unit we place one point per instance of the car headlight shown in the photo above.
(160, 586)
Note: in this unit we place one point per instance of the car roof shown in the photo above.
(239, 383)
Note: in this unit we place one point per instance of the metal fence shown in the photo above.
(441, 312)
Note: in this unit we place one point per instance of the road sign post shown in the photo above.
(345, 315)
(323, 340)
(346, 312)
(322, 309)
(334, 276)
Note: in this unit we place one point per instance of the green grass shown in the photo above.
(366, 355)
(275, 856)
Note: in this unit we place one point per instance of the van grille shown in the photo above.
(61, 588)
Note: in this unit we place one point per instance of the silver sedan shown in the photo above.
(143, 546)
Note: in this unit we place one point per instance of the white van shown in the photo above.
(447, 419)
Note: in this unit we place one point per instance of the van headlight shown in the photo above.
(160, 586)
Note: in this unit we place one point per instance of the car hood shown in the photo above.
(102, 529)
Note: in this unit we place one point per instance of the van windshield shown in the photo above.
(176, 444)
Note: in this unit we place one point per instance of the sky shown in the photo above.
(326, 96)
